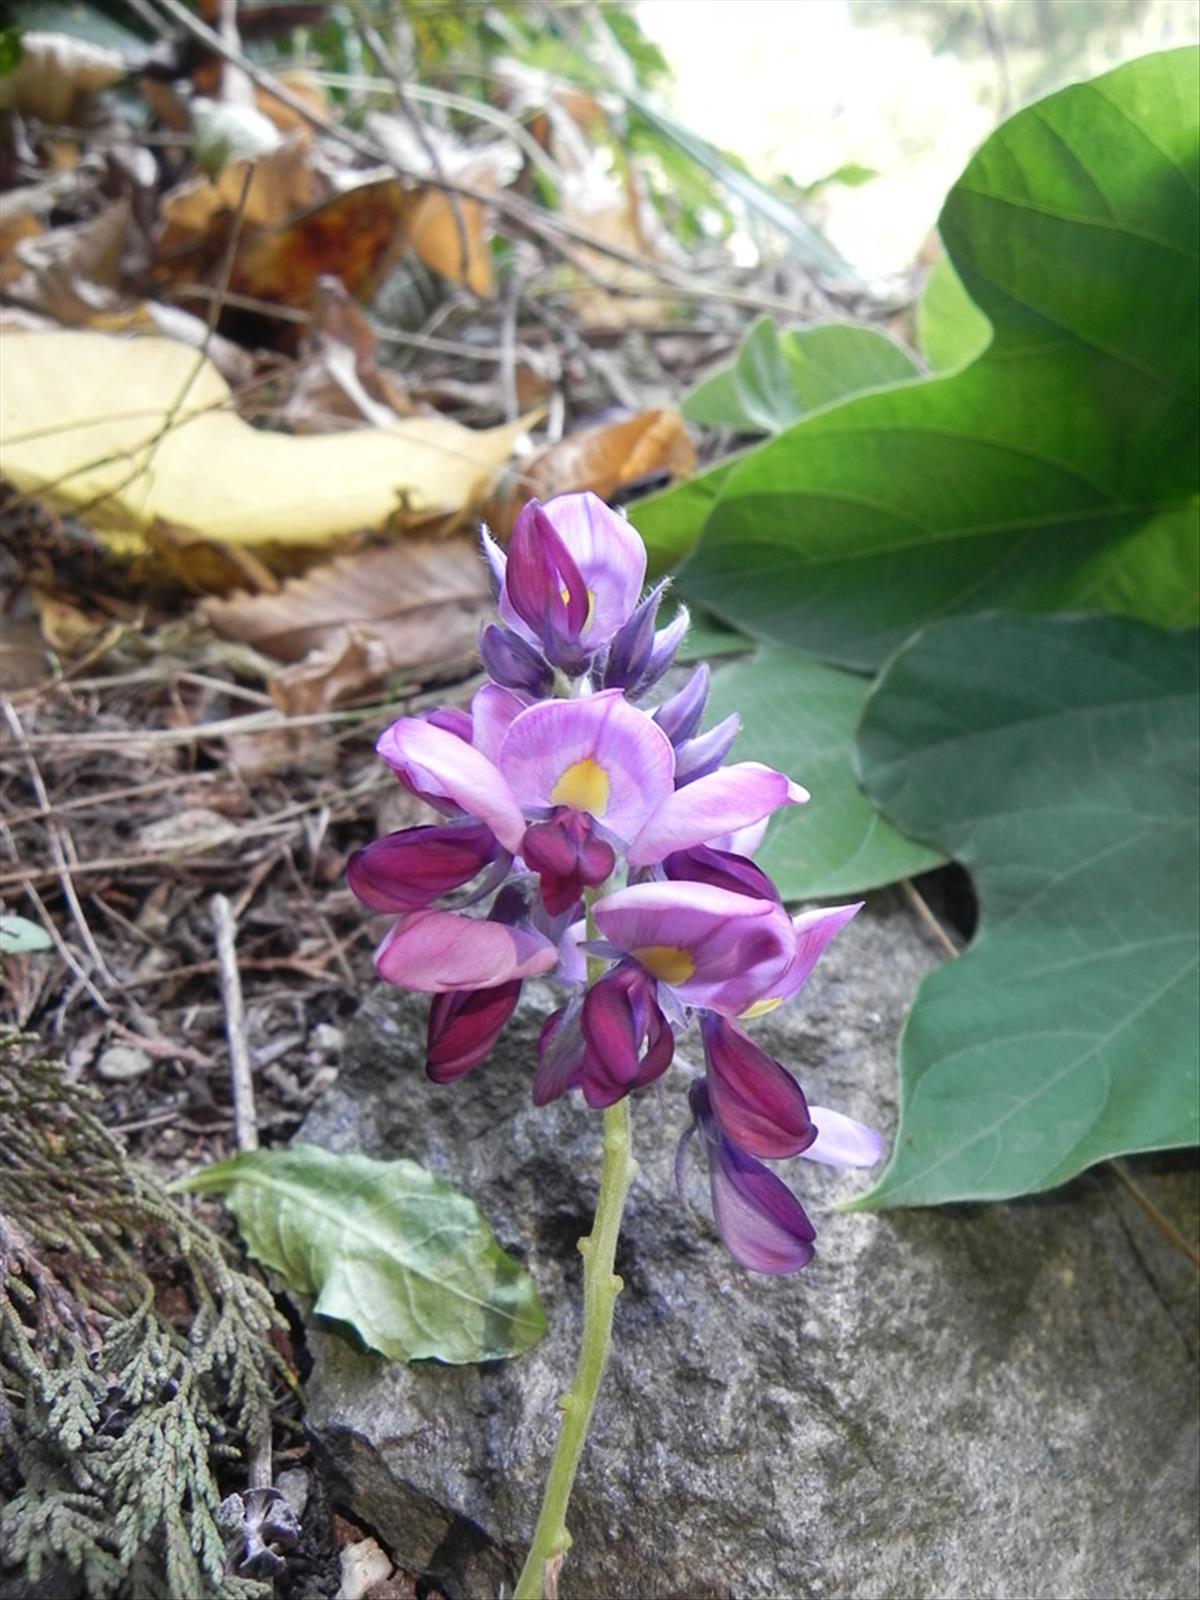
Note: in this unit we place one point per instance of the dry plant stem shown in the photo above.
(244, 1120)
(242, 1077)
(601, 1286)
(1162, 1222)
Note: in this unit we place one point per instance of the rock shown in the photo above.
(364, 1565)
(970, 1401)
(121, 1062)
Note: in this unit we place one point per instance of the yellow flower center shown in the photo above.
(668, 962)
(583, 787)
(760, 1008)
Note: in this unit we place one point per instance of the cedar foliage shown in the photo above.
(135, 1361)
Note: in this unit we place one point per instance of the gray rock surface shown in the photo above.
(972, 1401)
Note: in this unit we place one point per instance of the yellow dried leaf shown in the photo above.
(127, 430)
(54, 71)
(434, 238)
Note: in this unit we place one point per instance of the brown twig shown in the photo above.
(241, 1072)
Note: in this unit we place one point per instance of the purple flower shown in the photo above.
(543, 804)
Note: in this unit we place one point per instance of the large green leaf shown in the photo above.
(951, 329)
(1058, 760)
(799, 717)
(385, 1246)
(1057, 471)
(779, 377)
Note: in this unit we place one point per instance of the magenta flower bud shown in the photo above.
(561, 1050)
(679, 717)
(699, 757)
(567, 857)
(513, 663)
(666, 644)
(723, 869)
(761, 1223)
(629, 1041)
(629, 654)
(757, 1103)
(412, 868)
(464, 1024)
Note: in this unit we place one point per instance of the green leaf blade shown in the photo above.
(1024, 479)
(402, 1256)
(1060, 762)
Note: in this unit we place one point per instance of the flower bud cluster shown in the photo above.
(561, 789)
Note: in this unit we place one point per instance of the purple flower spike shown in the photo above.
(567, 857)
(761, 1223)
(464, 1024)
(629, 1041)
(412, 868)
(513, 663)
(696, 758)
(723, 869)
(679, 717)
(756, 1102)
(629, 653)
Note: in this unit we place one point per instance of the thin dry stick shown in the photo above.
(244, 1120)
(241, 1073)
(1162, 1222)
(65, 862)
(374, 43)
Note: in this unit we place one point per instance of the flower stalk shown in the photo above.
(601, 1286)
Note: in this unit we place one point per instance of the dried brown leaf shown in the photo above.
(54, 72)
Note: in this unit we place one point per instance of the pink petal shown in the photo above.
(610, 556)
(552, 739)
(761, 1222)
(435, 951)
(714, 805)
(492, 712)
(814, 930)
(430, 761)
(842, 1142)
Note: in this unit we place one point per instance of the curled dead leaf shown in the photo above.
(605, 459)
(346, 626)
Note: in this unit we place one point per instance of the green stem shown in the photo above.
(601, 1286)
